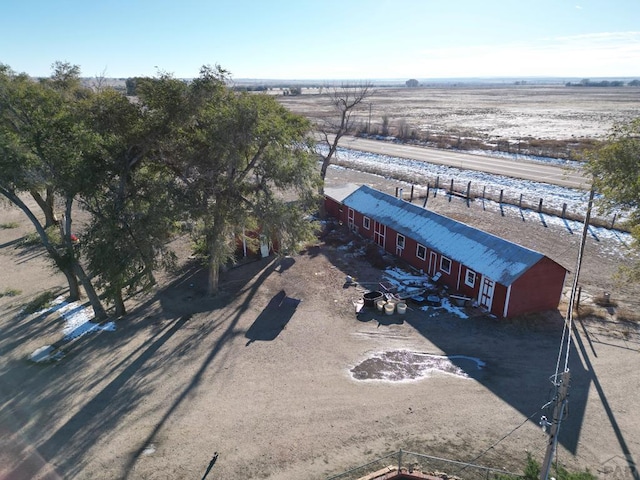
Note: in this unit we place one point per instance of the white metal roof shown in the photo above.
(498, 259)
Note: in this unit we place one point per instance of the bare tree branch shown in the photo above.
(345, 101)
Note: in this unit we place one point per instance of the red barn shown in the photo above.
(505, 278)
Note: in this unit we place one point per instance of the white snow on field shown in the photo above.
(424, 173)
(618, 242)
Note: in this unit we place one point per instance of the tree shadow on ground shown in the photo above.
(273, 319)
(169, 330)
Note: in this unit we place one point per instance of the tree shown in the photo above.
(235, 156)
(412, 83)
(615, 168)
(345, 101)
(131, 203)
(44, 143)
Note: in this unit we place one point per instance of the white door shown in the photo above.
(379, 233)
(350, 220)
(433, 263)
(485, 296)
(399, 245)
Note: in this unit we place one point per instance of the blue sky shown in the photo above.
(329, 39)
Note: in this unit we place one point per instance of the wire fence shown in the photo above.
(470, 192)
(403, 462)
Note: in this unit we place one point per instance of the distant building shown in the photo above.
(504, 278)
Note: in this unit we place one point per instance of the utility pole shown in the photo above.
(558, 413)
(562, 384)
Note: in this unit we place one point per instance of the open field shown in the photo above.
(261, 374)
(542, 119)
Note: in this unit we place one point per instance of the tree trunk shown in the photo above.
(120, 309)
(61, 263)
(46, 205)
(98, 309)
(214, 277)
(74, 287)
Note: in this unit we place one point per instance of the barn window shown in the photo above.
(366, 223)
(400, 241)
(421, 252)
(470, 278)
(445, 265)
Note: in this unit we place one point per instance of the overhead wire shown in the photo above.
(568, 324)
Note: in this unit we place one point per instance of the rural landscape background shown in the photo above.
(271, 390)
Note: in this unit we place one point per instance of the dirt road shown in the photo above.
(535, 171)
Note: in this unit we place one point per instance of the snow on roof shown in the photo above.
(340, 192)
(498, 259)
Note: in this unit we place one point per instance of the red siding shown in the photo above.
(333, 207)
(540, 288)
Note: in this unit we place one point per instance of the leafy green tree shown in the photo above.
(236, 156)
(615, 168)
(44, 142)
(130, 201)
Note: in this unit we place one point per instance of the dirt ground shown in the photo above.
(261, 374)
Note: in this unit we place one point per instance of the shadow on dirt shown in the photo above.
(165, 327)
(273, 319)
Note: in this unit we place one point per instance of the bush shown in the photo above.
(532, 472)
(43, 300)
(10, 292)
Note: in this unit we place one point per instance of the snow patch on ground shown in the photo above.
(405, 366)
(447, 306)
(77, 319)
(77, 322)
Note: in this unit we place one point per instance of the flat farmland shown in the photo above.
(262, 375)
(488, 113)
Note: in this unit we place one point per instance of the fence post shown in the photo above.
(540, 206)
(614, 219)
(564, 209)
(424, 205)
(451, 188)
(411, 198)
(501, 194)
(520, 203)
(484, 190)
(435, 191)
(399, 460)
(396, 192)
(468, 192)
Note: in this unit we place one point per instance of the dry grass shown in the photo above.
(626, 315)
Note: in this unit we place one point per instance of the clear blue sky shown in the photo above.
(329, 39)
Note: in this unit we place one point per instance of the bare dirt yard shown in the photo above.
(263, 374)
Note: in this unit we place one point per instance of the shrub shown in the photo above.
(627, 316)
(43, 300)
(10, 292)
(9, 225)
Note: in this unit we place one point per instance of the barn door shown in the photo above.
(379, 232)
(486, 292)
